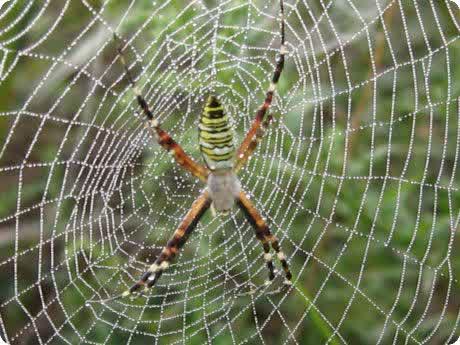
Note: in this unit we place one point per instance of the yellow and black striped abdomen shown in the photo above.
(216, 136)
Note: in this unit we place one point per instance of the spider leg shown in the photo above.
(255, 133)
(186, 227)
(264, 235)
(163, 138)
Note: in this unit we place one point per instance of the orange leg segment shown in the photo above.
(186, 227)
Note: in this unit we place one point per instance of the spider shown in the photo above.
(219, 173)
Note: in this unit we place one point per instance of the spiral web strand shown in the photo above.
(357, 175)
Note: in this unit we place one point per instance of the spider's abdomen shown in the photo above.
(216, 136)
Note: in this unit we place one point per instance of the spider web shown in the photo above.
(357, 176)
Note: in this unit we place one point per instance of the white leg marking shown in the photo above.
(283, 50)
(281, 256)
(154, 268)
(136, 91)
(164, 265)
(154, 123)
(267, 257)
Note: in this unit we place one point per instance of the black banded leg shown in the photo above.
(265, 236)
(261, 229)
(268, 258)
(140, 100)
(162, 137)
(161, 264)
(282, 258)
(249, 143)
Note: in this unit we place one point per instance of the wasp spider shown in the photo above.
(219, 173)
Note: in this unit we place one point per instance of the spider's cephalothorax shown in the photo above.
(222, 163)
(216, 145)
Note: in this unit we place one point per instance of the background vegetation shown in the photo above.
(358, 175)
